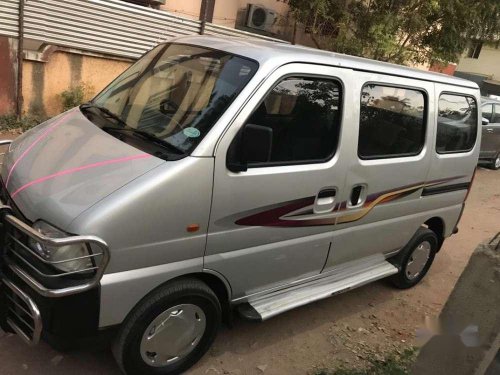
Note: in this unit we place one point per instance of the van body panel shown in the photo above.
(145, 222)
(61, 168)
(259, 255)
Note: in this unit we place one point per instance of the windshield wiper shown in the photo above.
(105, 111)
(147, 136)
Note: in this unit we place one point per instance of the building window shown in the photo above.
(155, 4)
(391, 122)
(457, 123)
(475, 50)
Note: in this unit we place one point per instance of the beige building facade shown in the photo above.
(481, 63)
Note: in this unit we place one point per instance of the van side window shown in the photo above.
(488, 112)
(457, 123)
(496, 118)
(304, 116)
(391, 122)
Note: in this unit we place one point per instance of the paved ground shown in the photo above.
(346, 328)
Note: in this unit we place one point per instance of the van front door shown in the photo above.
(270, 225)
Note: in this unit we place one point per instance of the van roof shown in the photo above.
(263, 51)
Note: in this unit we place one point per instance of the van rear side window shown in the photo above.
(457, 123)
(391, 122)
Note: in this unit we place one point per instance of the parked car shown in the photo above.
(490, 142)
(219, 175)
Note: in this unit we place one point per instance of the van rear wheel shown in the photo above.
(170, 330)
(415, 259)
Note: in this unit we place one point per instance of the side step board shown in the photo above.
(341, 280)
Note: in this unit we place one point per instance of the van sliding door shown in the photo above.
(387, 163)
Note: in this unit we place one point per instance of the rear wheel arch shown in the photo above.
(437, 225)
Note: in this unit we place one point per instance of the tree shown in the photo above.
(399, 31)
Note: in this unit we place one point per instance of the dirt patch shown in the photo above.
(349, 329)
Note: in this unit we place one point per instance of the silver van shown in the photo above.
(219, 175)
(490, 142)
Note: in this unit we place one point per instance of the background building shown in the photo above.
(481, 63)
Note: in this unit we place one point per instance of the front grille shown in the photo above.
(4, 195)
(23, 315)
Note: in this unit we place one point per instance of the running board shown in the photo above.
(342, 280)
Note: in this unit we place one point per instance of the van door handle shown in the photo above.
(325, 200)
(358, 195)
(489, 130)
(327, 193)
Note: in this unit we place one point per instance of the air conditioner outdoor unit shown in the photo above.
(260, 18)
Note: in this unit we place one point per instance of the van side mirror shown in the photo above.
(254, 146)
(485, 121)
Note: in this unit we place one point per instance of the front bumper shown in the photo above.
(61, 322)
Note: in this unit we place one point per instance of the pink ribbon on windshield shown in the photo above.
(42, 136)
(78, 169)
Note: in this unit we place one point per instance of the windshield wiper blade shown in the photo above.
(147, 136)
(106, 111)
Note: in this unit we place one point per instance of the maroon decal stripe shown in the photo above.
(274, 217)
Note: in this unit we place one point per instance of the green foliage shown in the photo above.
(75, 96)
(10, 123)
(394, 364)
(400, 31)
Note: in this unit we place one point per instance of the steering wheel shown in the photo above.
(168, 107)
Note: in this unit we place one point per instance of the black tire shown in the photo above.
(126, 347)
(401, 280)
(494, 161)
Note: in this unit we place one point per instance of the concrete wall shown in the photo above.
(487, 64)
(43, 82)
(182, 8)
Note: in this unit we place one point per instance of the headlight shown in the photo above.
(62, 254)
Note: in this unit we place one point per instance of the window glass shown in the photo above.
(176, 93)
(391, 122)
(496, 118)
(304, 116)
(488, 111)
(474, 50)
(457, 123)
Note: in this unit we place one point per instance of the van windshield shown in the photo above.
(173, 95)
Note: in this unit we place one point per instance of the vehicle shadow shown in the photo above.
(16, 357)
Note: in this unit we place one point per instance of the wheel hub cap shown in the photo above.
(172, 335)
(418, 260)
(497, 162)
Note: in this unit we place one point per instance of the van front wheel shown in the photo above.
(415, 259)
(170, 330)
